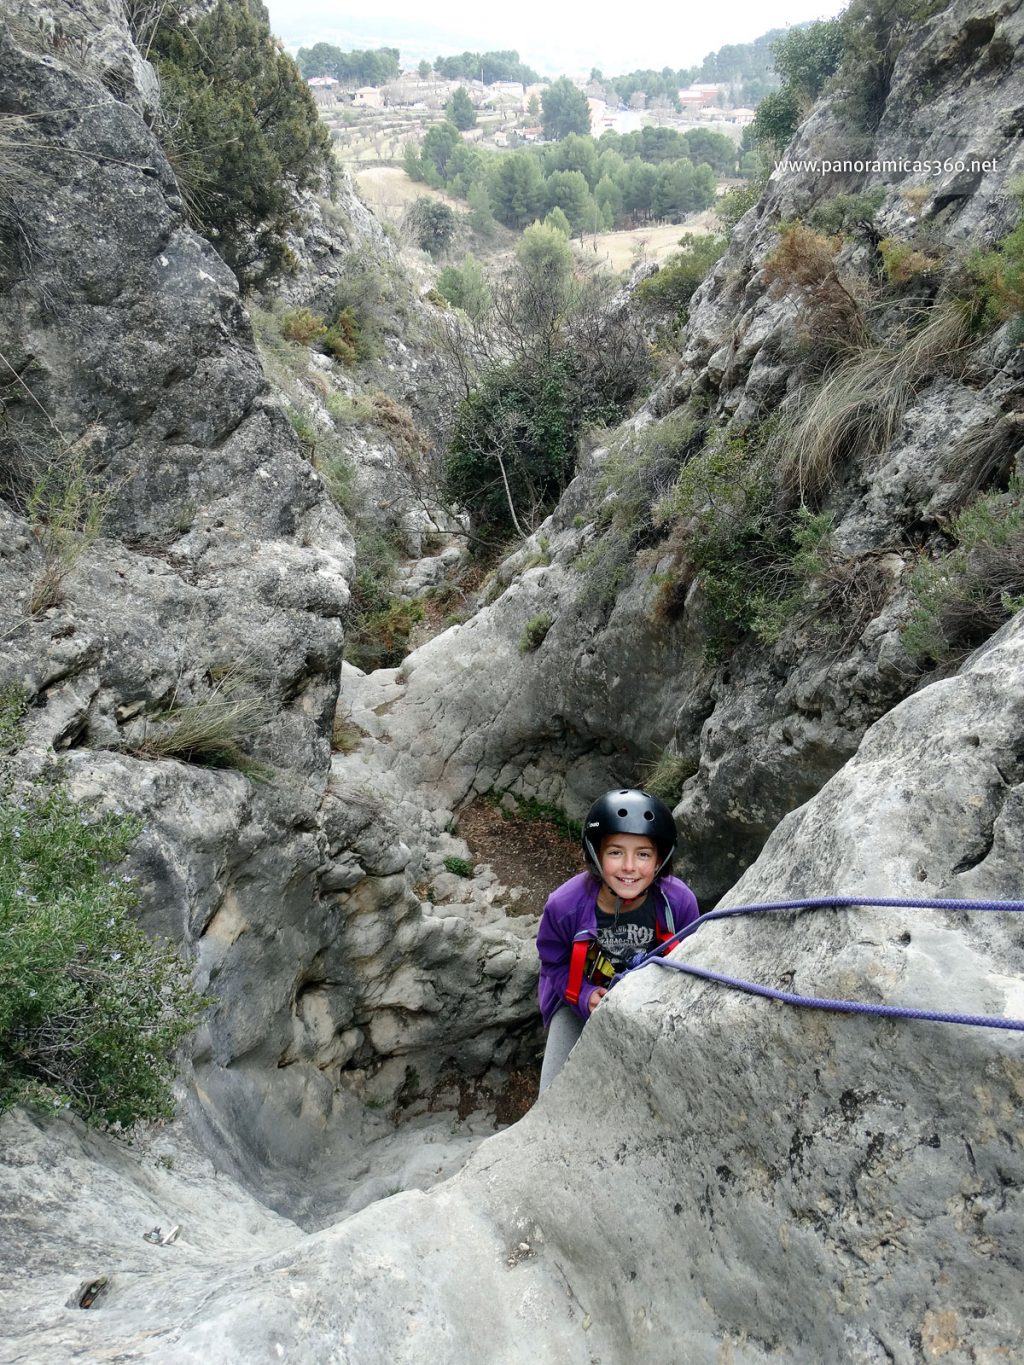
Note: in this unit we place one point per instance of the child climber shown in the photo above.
(606, 919)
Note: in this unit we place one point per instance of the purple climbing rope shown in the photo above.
(816, 1002)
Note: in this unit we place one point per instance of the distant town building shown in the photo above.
(324, 89)
(368, 97)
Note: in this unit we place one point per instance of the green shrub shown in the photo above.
(670, 290)
(966, 595)
(346, 736)
(343, 339)
(303, 427)
(380, 638)
(346, 411)
(544, 812)
(459, 867)
(731, 206)
(999, 277)
(466, 287)
(846, 213)
(90, 1009)
(902, 261)
(240, 129)
(535, 632)
(303, 326)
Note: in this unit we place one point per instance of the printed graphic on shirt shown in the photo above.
(625, 936)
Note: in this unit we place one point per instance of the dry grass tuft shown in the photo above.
(858, 409)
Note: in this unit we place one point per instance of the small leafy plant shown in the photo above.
(91, 1010)
(459, 867)
(535, 632)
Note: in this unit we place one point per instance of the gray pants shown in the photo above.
(563, 1034)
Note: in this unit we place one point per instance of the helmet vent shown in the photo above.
(623, 813)
(648, 815)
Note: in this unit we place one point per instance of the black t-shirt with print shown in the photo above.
(630, 932)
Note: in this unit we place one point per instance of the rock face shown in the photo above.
(220, 572)
(759, 1183)
(712, 1176)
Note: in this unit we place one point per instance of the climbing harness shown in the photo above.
(589, 961)
(814, 1002)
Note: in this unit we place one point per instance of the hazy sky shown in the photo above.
(548, 36)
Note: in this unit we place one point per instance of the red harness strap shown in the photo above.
(576, 965)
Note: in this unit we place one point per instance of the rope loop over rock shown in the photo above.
(819, 1003)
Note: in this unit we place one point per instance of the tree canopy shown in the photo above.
(564, 110)
(351, 68)
(459, 109)
(240, 129)
(485, 66)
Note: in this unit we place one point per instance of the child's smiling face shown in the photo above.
(628, 864)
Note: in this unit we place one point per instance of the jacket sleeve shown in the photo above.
(554, 947)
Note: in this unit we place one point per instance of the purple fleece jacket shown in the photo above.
(571, 913)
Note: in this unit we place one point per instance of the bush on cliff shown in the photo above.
(90, 1008)
(240, 129)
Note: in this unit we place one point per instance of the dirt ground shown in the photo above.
(523, 852)
(620, 250)
(389, 192)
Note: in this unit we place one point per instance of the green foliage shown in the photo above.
(516, 189)
(65, 510)
(514, 443)
(556, 219)
(380, 639)
(459, 867)
(847, 213)
(535, 632)
(353, 68)
(459, 110)
(544, 812)
(999, 276)
(481, 214)
(731, 206)
(805, 57)
(777, 118)
(13, 708)
(432, 223)
(680, 187)
(564, 110)
(486, 66)
(635, 477)
(569, 191)
(240, 129)
(90, 1009)
(377, 623)
(966, 595)
(466, 287)
(903, 261)
(546, 259)
(672, 287)
(344, 338)
(724, 498)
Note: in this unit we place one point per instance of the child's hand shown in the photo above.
(595, 998)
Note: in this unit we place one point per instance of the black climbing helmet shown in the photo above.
(629, 811)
